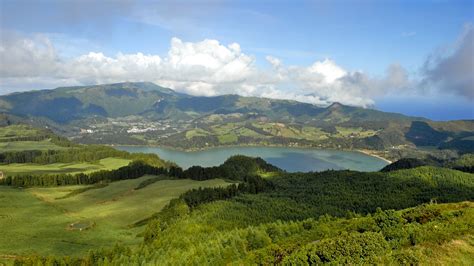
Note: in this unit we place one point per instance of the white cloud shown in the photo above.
(200, 68)
(328, 71)
(275, 62)
(452, 71)
(26, 57)
(325, 82)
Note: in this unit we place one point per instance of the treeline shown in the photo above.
(134, 170)
(464, 163)
(42, 134)
(89, 153)
(235, 168)
(79, 154)
(405, 163)
(250, 184)
(20, 156)
(336, 192)
(25, 138)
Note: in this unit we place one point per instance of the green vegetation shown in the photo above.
(26, 145)
(328, 217)
(463, 163)
(69, 164)
(384, 237)
(87, 205)
(62, 168)
(38, 219)
(15, 131)
(405, 163)
(23, 137)
(196, 133)
(305, 195)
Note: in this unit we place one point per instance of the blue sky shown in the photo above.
(367, 53)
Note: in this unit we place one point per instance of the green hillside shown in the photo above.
(338, 217)
(42, 221)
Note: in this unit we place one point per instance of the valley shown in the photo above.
(230, 179)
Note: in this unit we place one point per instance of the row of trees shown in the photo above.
(250, 184)
(464, 163)
(77, 154)
(235, 168)
(134, 170)
(38, 137)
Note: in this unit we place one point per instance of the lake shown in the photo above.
(289, 159)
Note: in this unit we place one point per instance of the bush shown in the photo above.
(353, 248)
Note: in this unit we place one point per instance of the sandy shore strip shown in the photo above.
(373, 154)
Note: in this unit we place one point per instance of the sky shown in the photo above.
(411, 57)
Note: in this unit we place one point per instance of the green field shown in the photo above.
(228, 133)
(35, 221)
(9, 139)
(14, 131)
(196, 133)
(354, 132)
(61, 168)
(28, 145)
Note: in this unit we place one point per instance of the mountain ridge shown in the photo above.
(152, 87)
(148, 114)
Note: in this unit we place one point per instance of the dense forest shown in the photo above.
(463, 163)
(79, 153)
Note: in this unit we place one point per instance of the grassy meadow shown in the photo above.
(28, 145)
(9, 139)
(64, 168)
(14, 131)
(37, 221)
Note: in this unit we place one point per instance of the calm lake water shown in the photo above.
(289, 159)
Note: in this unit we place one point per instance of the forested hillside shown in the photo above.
(327, 217)
(463, 163)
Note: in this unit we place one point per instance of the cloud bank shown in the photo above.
(453, 70)
(210, 68)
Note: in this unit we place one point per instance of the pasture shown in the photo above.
(29, 145)
(14, 131)
(63, 168)
(35, 220)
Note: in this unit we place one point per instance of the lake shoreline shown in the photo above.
(370, 153)
(373, 154)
